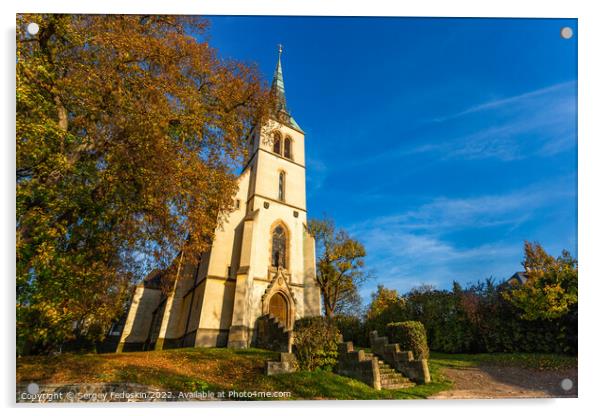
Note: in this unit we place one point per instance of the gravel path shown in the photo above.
(492, 382)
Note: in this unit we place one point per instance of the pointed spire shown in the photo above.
(278, 84)
(278, 89)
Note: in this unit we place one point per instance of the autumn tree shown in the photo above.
(550, 291)
(340, 266)
(385, 302)
(129, 133)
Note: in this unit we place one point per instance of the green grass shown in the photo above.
(523, 360)
(224, 369)
(326, 385)
(209, 369)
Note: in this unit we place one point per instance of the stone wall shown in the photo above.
(358, 365)
(402, 361)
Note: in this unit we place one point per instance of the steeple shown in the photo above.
(282, 112)
(278, 84)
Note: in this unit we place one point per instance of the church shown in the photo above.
(259, 275)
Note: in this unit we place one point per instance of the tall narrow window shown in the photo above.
(281, 184)
(287, 148)
(277, 143)
(279, 247)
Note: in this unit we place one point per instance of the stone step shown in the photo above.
(393, 383)
(385, 383)
(392, 379)
(400, 380)
(392, 373)
(275, 320)
(394, 376)
(387, 371)
(396, 386)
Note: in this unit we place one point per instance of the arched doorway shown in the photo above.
(279, 308)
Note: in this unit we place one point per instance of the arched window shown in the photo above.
(277, 143)
(279, 247)
(281, 185)
(287, 148)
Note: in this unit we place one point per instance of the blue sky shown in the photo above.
(441, 144)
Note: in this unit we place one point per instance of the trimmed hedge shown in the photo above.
(411, 336)
(315, 343)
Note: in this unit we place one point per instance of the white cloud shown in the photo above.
(538, 123)
(443, 213)
(542, 123)
(511, 101)
(411, 248)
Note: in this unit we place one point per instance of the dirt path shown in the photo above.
(492, 382)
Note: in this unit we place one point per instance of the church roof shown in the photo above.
(282, 112)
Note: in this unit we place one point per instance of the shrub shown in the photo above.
(315, 343)
(411, 336)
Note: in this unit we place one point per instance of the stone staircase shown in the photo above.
(275, 321)
(272, 334)
(369, 368)
(389, 378)
(401, 361)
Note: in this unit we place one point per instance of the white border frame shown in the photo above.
(590, 169)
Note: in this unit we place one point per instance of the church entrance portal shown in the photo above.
(278, 308)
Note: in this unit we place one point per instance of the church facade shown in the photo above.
(260, 269)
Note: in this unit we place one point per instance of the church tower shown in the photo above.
(276, 273)
(261, 266)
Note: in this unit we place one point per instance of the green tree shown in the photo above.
(386, 306)
(129, 131)
(550, 291)
(340, 266)
(385, 303)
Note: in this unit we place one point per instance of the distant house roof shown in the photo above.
(519, 277)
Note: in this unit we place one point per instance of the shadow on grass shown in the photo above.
(327, 385)
(539, 361)
(208, 369)
(66, 367)
(164, 379)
